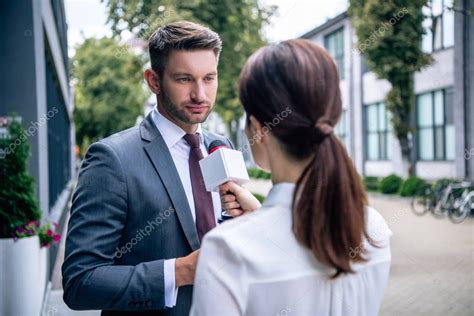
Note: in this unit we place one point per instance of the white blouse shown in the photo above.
(253, 265)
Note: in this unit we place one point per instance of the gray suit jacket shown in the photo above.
(129, 213)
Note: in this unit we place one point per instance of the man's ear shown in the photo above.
(152, 80)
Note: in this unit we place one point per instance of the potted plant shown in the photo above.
(22, 259)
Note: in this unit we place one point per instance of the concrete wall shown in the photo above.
(432, 170)
(374, 89)
(439, 75)
(379, 168)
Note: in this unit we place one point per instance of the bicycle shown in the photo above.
(429, 199)
(463, 206)
(423, 202)
(445, 199)
(451, 193)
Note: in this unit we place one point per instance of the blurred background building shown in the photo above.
(444, 109)
(34, 84)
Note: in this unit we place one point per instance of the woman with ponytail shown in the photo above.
(314, 247)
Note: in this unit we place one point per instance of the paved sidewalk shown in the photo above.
(432, 269)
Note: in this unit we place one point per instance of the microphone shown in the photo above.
(215, 145)
(221, 165)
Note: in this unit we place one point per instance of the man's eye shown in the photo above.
(183, 79)
(209, 78)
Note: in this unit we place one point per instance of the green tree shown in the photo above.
(18, 203)
(108, 87)
(389, 38)
(239, 24)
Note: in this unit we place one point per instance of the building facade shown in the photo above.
(443, 114)
(34, 85)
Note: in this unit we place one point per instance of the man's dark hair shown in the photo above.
(182, 35)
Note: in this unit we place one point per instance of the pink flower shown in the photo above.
(21, 230)
(49, 233)
(55, 225)
(30, 232)
(56, 238)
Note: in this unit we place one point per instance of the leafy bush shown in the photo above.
(258, 173)
(413, 186)
(371, 183)
(390, 184)
(18, 204)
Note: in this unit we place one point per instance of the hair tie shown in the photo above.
(321, 130)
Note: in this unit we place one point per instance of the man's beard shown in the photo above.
(179, 114)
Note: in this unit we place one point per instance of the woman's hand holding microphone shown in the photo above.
(237, 200)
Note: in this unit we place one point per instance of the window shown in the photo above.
(341, 128)
(435, 129)
(439, 26)
(334, 43)
(377, 132)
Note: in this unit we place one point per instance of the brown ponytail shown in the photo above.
(328, 215)
(329, 201)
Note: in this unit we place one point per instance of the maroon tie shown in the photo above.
(203, 205)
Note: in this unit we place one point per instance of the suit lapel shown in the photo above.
(162, 161)
(207, 139)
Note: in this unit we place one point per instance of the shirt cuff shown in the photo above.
(171, 292)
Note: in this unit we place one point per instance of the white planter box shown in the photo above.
(22, 276)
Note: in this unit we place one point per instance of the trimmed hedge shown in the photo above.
(412, 186)
(390, 184)
(393, 184)
(371, 183)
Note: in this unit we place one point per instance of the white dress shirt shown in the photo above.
(179, 150)
(253, 265)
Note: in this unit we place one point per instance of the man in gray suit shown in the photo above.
(140, 208)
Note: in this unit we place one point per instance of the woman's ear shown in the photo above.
(256, 129)
(152, 80)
